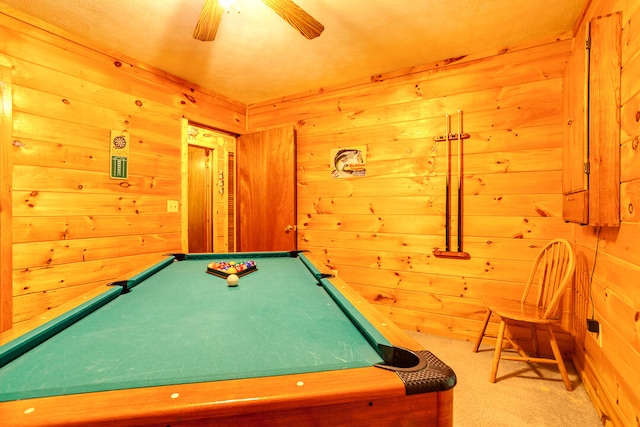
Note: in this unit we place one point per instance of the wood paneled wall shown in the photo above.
(608, 271)
(74, 228)
(379, 231)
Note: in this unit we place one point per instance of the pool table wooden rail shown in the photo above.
(371, 396)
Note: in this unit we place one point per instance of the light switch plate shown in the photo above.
(172, 206)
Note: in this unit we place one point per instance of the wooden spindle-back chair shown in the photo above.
(551, 274)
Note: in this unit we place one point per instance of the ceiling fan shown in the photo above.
(212, 11)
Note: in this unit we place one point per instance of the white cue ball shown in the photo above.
(232, 280)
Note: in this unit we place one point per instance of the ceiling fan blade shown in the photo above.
(296, 17)
(209, 21)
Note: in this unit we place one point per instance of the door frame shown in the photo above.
(222, 143)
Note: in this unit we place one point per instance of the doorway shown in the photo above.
(209, 211)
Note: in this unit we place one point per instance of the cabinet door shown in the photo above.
(604, 120)
(575, 98)
(575, 152)
(591, 138)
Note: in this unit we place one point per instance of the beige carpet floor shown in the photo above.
(529, 395)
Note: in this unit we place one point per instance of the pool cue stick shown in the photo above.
(459, 180)
(447, 203)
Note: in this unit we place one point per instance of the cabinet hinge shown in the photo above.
(587, 167)
(587, 43)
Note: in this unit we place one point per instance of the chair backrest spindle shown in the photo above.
(551, 273)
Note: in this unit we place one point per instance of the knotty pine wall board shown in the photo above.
(35, 290)
(490, 141)
(535, 227)
(629, 163)
(476, 119)
(38, 280)
(545, 205)
(47, 228)
(478, 279)
(630, 160)
(42, 178)
(522, 66)
(417, 277)
(630, 87)
(630, 122)
(35, 203)
(500, 248)
(31, 305)
(371, 223)
(43, 254)
(406, 161)
(630, 201)
(395, 263)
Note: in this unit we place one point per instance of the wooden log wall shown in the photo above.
(608, 268)
(74, 228)
(379, 231)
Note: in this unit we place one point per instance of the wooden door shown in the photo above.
(200, 203)
(266, 183)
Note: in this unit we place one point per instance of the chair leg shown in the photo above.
(534, 338)
(558, 357)
(485, 322)
(496, 354)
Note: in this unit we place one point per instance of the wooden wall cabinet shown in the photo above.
(591, 137)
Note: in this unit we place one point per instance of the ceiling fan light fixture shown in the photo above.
(227, 5)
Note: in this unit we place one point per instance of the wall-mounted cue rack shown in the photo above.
(447, 138)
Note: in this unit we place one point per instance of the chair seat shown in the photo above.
(514, 310)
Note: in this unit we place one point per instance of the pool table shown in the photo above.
(173, 345)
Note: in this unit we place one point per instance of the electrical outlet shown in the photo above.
(172, 206)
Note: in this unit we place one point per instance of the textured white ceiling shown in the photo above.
(257, 56)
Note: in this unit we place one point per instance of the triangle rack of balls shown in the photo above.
(225, 269)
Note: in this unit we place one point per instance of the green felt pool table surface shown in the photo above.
(184, 325)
